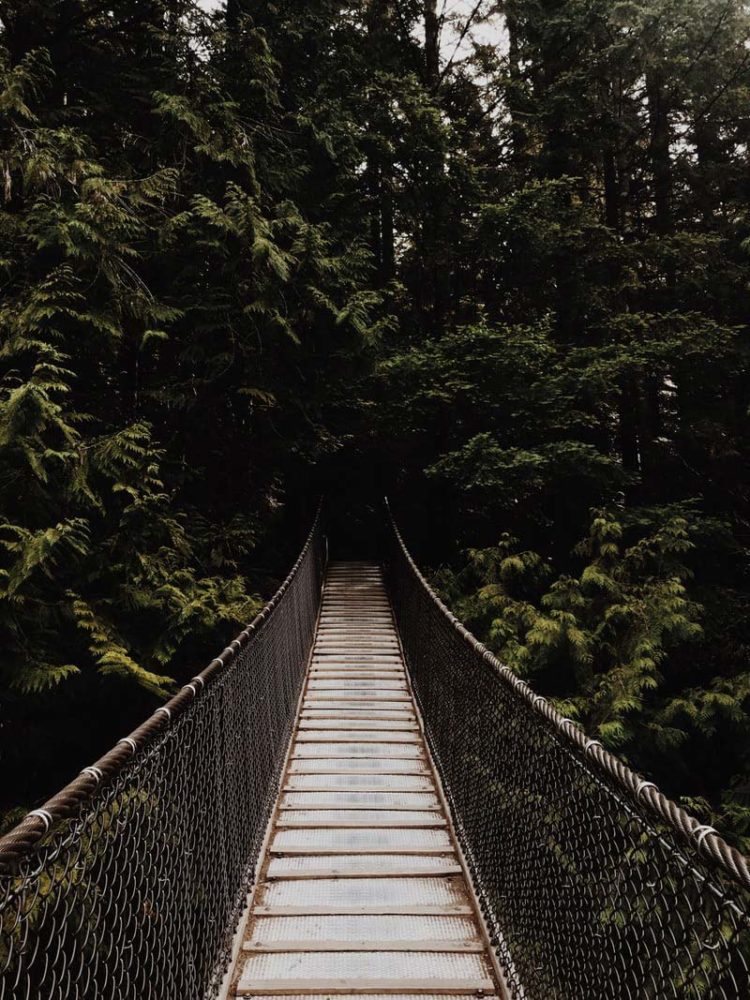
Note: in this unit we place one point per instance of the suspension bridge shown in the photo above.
(356, 798)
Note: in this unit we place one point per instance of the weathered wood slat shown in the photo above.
(362, 891)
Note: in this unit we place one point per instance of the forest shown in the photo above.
(491, 259)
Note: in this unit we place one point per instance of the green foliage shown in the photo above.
(592, 354)
(273, 251)
(110, 656)
(170, 305)
(611, 625)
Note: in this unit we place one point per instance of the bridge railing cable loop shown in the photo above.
(594, 884)
(128, 883)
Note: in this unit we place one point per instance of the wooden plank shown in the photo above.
(301, 755)
(377, 615)
(367, 627)
(312, 725)
(345, 692)
(395, 987)
(335, 633)
(353, 713)
(358, 673)
(358, 663)
(357, 736)
(350, 647)
(370, 695)
(473, 946)
(361, 676)
(347, 598)
(358, 680)
(353, 651)
(366, 607)
(288, 822)
(329, 615)
(355, 656)
(322, 851)
(328, 804)
(354, 683)
(355, 668)
(396, 683)
(362, 673)
(323, 787)
(356, 619)
(366, 733)
(351, 654)
(302, 766)
(345, 716)
(405, 872)
(385, 629)
(359, 656)
(454, 909)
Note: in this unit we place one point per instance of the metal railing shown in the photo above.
(129, 883)
(593, 885)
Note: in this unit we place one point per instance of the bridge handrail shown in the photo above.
(128, 884)
(592, 882)
(37, 823)
(702, 838)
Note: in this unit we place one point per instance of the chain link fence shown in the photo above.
(593, 885)
(129, 884)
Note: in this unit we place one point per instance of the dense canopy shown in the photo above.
(489, 258)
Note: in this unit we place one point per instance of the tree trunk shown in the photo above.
(379, 171)
(232, 14)
(628, 423)
(612, 215)
(431, 45)
(515, 89)
(706, 147)
(661, 164)
(387, 236)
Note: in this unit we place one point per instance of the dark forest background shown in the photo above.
(252, 256)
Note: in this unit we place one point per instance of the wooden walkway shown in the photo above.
(361, 887)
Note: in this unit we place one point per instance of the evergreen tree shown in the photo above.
(491, 259)
(167, 319)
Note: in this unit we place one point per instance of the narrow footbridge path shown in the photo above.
(361, 887)
(355, 797)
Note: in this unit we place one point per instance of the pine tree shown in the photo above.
(250, 254)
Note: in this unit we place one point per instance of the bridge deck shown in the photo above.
(361, 889)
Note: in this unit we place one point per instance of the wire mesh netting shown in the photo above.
(593, 885)
(129, 884)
